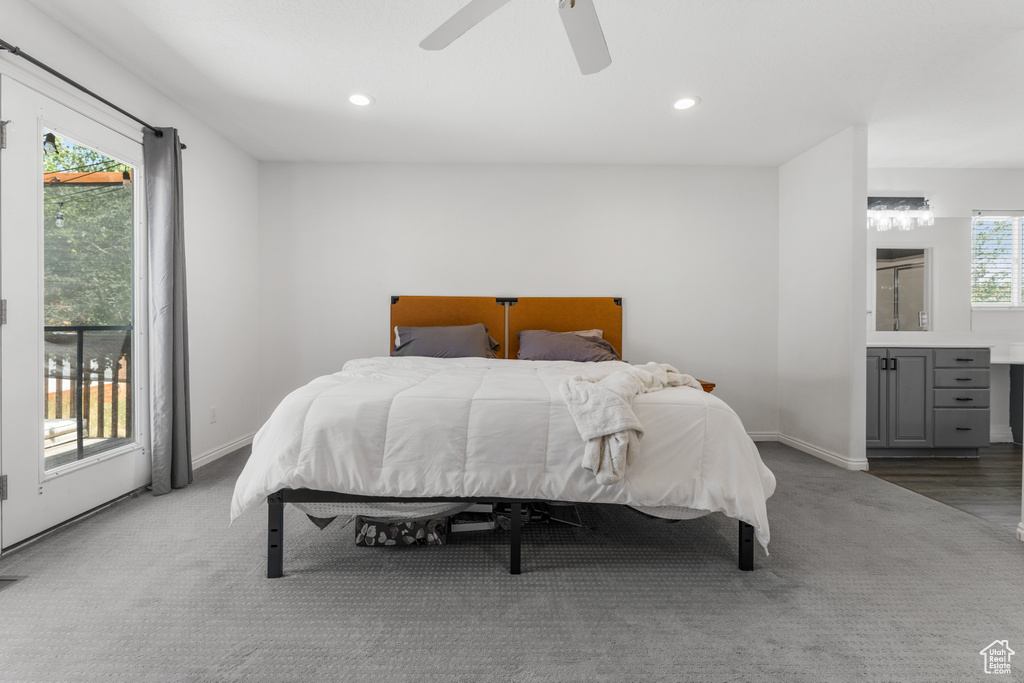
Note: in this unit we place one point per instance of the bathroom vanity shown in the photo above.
(927, 401)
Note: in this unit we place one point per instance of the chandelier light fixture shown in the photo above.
(899, 213)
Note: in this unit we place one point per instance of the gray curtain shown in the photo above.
(168, 325)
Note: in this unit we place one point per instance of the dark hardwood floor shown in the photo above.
(988, 487)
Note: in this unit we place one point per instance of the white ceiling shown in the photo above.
(940, 83)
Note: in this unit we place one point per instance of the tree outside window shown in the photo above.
(996, 254)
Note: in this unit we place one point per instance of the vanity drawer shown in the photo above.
(961, 398)
(968, 378)
(961, 428)
(962, 358)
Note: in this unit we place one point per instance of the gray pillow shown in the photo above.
(459, 341)
(589, 333)
(545, 345)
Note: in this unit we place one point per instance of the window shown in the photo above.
(88, 305)
(997, 249)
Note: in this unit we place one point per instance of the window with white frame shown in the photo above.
(997, 249)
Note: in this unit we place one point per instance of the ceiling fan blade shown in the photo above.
(585, 35)
(460, 22)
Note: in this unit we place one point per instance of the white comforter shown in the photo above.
(602, 408)
(479, 428)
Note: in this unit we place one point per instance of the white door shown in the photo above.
(73, 406)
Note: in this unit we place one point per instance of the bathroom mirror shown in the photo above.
(901, 284)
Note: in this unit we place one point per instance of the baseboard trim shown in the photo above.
(828, 456)
(763, 436)
(1020, 531)
(207, 458)
(1001, 435)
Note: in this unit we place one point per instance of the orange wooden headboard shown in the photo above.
(557, 314)
(425, 311)
(565, 314)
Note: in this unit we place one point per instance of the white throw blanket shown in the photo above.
(603, 412)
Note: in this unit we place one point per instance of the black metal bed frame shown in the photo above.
(277, 500)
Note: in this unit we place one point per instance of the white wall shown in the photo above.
(221, 213)
(954, 194)
(822, 299)
(692, 251)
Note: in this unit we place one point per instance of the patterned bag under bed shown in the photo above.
(380, 532)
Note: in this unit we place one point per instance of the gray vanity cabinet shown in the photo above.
(962, 383)
(927, 398)
(878, 430)
(900, 399)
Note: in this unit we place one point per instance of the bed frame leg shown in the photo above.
(746, 547)
(516, 537)
(275, 536)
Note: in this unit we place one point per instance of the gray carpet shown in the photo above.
(865, 582)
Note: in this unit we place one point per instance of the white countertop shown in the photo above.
(1001, 353)
(912, 345)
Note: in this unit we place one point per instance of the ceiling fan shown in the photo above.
(578, 16)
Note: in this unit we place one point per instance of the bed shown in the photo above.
(492, 427)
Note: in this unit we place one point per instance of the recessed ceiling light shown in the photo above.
(688, 102)
(360, 100)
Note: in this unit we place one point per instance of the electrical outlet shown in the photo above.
(213, 414)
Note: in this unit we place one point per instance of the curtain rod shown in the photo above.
(17, 51)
